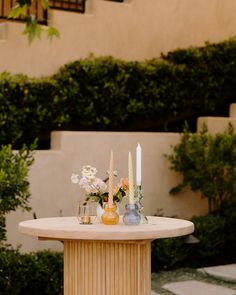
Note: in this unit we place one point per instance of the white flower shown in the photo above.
(84, 182)
(93, 185)
(74, 178)
(101, 185)
(88, 171)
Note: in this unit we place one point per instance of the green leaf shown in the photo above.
(45, 4)
(52, 32)
(32, 30)
(18, 11)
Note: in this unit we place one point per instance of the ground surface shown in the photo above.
(165, 277)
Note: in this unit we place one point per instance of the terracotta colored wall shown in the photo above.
(133, 30)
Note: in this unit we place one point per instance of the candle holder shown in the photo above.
(131, 216)
(138, 199)
(110, 216)
(86, 213)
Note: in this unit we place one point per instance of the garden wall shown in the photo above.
(133, 30)
(53, 194)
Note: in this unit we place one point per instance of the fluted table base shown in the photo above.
(106, 260)
(107, 267)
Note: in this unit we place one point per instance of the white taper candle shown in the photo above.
(138, 164)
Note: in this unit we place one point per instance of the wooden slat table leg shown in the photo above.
(107, 267)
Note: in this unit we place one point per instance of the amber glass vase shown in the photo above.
(110, 215)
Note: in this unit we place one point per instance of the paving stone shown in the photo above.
(154, 293)
(196, 288)
(224, 272)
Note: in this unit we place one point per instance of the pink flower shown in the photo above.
(124, 183)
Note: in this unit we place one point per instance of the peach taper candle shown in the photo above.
(110, 216)
(111, 180)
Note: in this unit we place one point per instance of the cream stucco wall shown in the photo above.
(133, 30)
(53, 194)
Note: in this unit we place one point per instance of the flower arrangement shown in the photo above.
(96, 188)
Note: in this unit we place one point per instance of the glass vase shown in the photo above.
(110, 215)
(131, 216)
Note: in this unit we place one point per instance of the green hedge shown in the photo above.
(14, 183)
(217, 243)
(39, 273)
(28, 108)
(111, 94)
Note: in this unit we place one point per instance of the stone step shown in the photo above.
(223, 272)
(193, 287)
(216, 124)
(232, 110)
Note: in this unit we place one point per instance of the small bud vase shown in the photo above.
(131, 216)
(110, 215)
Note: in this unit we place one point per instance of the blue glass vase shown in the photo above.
(131, 216)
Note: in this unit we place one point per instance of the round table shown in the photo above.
(106, 259)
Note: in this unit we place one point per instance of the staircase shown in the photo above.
(218, 124)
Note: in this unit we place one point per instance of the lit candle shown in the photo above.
(131, 180)
(111, 180)
(138, 164)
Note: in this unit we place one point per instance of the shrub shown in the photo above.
(207, 163)
(228, 212)
(217, 243)
(28, 109)
(110, 94)
(38, 273)
(14, 185)
(169, 253)
(210, 230)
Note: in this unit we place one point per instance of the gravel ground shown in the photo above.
(163, 277)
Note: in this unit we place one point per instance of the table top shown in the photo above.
(63, 228)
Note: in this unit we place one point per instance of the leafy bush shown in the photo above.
(14, 185)
(228, 212)
(217, 243)
(169, 253)
(111, 94)
(38, 273)
(207, 163)
(210, 230)
(217, 238)
(28, 107)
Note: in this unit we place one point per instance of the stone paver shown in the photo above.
(196, 288)
(224, 272)
(154, 293)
